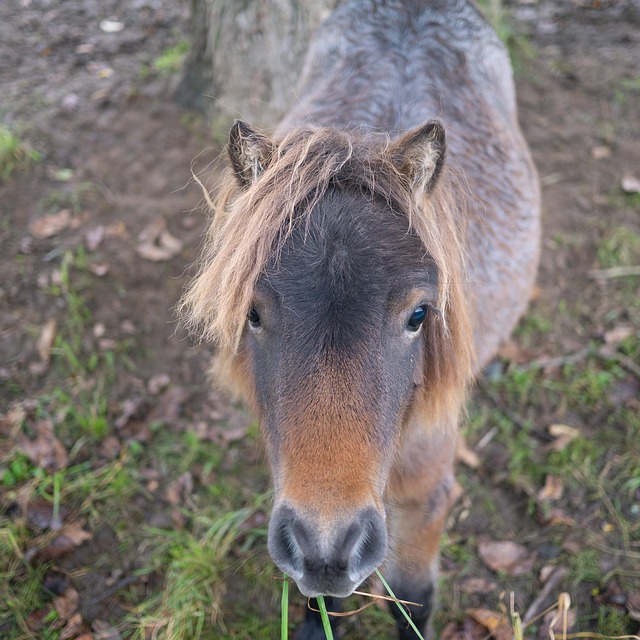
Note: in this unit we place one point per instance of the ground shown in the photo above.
(134, 498)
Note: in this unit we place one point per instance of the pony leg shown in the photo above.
(418, 500)
(311, 628)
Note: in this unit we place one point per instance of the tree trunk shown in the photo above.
(246, 56)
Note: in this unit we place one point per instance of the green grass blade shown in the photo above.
(402, 608)
(325, 618)
(284, 619)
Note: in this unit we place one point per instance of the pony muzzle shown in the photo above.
(329, 558)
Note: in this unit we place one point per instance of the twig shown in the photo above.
(553, 363)
(551, 584)
(111, 591)
(614, 272)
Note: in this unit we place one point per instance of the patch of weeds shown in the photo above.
(613, 623)
(196, 563)
(20, 585)
(533, 327)
(619, 248)
(584, 566)
(170, 60)
(72, 197)
(519, 47)
(15, 154)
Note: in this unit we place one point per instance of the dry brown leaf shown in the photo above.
(180, 489)
(513, 352)
(600, 152)
(75, 532)
(465, 455)
(45, 451)
(552, 490)
(468, 629)
(36, 619)
(495, 623)
(616, 335)
(563, 435)
(157, 244)
(66, 604)
(39, 514)
(50, 225)
(227, 435)
(11, 421)
(73, 627)
(45, 341)
(104, 631)
(505, 556)
(477, 585)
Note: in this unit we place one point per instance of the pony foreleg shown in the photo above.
(417, 506)
(311, 628)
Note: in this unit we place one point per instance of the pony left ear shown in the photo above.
(249, 151)
(419, 154)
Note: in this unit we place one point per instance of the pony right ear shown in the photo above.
(419, 154)
(249, 151)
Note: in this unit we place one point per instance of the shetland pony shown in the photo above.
(361, 267)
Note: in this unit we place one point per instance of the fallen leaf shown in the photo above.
(495, 623)
(552, 490)
(465, 455)
(157, 244)
(555, 516)
(513, 352)
(180, 489)
(477, 585)
(71, 536)
(73, 627)
(45, 341)
(45, 451)
(633, 605)
(99, 269)
(11, 421)
(468, 629)
(66, 604)
(158, 383)
(36, 619)
(75, 532)
(226, 435)
(50, 225)
(104, 631)
(39, 514)
(94, 237)
(616, 335)
(505, 556)
(630, 184)
(600, 152)
(563, 435)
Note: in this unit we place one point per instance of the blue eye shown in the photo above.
(417, 318)
(254, 318)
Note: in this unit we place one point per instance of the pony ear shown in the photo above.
(419, 154)
(249, 151)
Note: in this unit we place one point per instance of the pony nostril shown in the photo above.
(371, 547)
(283, 545)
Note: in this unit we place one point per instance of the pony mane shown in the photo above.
(250, 225)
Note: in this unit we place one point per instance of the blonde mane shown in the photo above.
(250, 224)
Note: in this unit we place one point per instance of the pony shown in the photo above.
(361, 267)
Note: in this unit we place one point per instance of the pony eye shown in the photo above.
(417, 318)
(254, 318)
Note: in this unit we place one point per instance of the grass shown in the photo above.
(170, 61)
(15, 154)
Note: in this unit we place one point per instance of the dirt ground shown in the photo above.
(115, 154)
